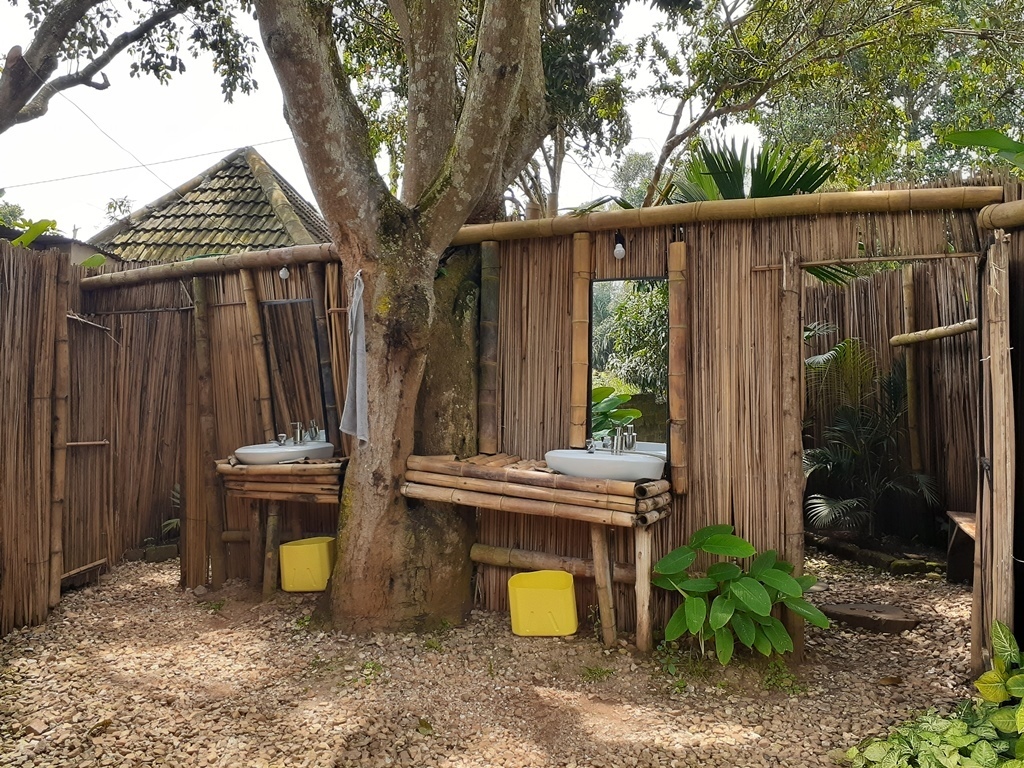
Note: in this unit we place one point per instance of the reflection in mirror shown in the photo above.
(629, 358)
(293, 360)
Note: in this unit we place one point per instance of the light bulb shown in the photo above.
(283, 274)
(620, 251)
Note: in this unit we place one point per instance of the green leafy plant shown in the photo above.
(606, 413)
(999, 143)
(777, 677)
(32, 230)
(727, 603)
(596, 674)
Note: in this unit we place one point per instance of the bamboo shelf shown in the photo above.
(313, 481)
(528, 487)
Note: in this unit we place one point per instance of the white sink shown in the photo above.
(272, 453)
(657, 448)
(603, 465)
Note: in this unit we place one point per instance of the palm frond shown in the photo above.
(826, 512)
(833, 274)
(816, 330)
(727, 166)
(844, 375)
(775, 172)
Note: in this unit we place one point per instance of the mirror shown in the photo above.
(629, 357)
(293, 359)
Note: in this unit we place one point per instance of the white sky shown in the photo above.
(184, 119)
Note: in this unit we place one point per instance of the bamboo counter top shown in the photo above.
(316, 481)
(511, 484)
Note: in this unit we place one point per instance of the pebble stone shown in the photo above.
(135, 672)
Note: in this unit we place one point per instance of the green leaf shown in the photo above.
(724, 571)
(728, 545)
(1019, 721)
(763, 562)
(782, 565)
(722, 609)
(597, 394)
(1015, 686)
(743, 627)
(778, 636)
(761, 642)
(783, 582)
(670, 582)
(985, 755)
(96, 260)
(752, 595)
(723, 645)
(700, 586)
(990, 686)
(707, 532)
(987, 138)
(806, 581)
(676, 625)
(696, 609)
(1005, 719)
(876, 751)
(1004, 643)
(801, 607)
(676, 561)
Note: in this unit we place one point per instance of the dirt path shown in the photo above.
(135, 672)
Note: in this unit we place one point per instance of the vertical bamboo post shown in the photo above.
(255, 543)
(603, 577)
(678, 367)
(487, 399)
(270, 561)
(792, 422)
(208, 436)
(910, 325)
(323, 343)
(58, 465)
(643, 542)
(579, 386)
(259, 348)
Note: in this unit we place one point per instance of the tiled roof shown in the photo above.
(240, 204)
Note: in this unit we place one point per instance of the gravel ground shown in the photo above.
(135, 672)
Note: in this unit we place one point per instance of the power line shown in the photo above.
(140, 165)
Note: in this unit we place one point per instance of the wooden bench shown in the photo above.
(960, 553)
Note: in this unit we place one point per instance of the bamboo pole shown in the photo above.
(603, 578)
(487, 399)
(270, 560)
(791, 344)
(255, 470)
(642, 548)
(256, 547)
(525, 476)
(323, 345)
(909, 326)
(528, 560)
(654, 502)
(259, 348)
(1008, 215)
(262, 485)
(208, 436)
(679, 368)
(58, 467)
(644, 519)
(651, 488)
(521, 506)
(518, 490)
(233, 262)
(579, 377)
(308, 498)
(930, 334)
(897, 257)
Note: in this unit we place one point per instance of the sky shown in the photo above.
(178, 130)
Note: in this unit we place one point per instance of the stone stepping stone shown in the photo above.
(874, 617)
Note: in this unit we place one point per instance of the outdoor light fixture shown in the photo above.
(283, 274)
(620, 246)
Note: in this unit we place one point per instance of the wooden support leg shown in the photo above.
(255, 544)
(270, 562)
(603, 577)
(644, 540)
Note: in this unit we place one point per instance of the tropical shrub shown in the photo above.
(727, 603)
(605, 413)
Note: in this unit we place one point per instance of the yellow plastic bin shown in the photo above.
(542, 603)
(306, 564)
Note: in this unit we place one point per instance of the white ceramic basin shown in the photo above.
(272, 453)
(605, 466)
(657, 448)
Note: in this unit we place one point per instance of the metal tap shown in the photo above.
(617, 442)
(629, 439)
(314, 431)
(590, 445)
(298, 432)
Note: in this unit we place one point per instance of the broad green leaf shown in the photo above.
(724, 571)
(699, 586)
(96, 260)
(696, 611)
(1004, 643)
(801, 607)
(984, 755)
(676, 561)
(875, 752)
(1005, 719)
(984, 138)
(1019, 721)
(670, 581)
(990, 686)
(597, 394)
(1015, 686)
(779, 637)
(783, 582)
(1000, 665)
(722, 609)
(763, 562)
(761, 642)
(806, 581)
(743, 627)
(752, 594)
(723, 645)
(705, 533)
(676, 625)
(782, 565)
(728, 545)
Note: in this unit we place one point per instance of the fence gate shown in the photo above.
(993, 559)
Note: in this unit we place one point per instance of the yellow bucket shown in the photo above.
(306, 564)
(542, 603)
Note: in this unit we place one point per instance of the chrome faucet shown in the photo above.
(617, 442)
(590, 445)
(298, 432)
(629, 439)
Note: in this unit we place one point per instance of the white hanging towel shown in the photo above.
(355, 419)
